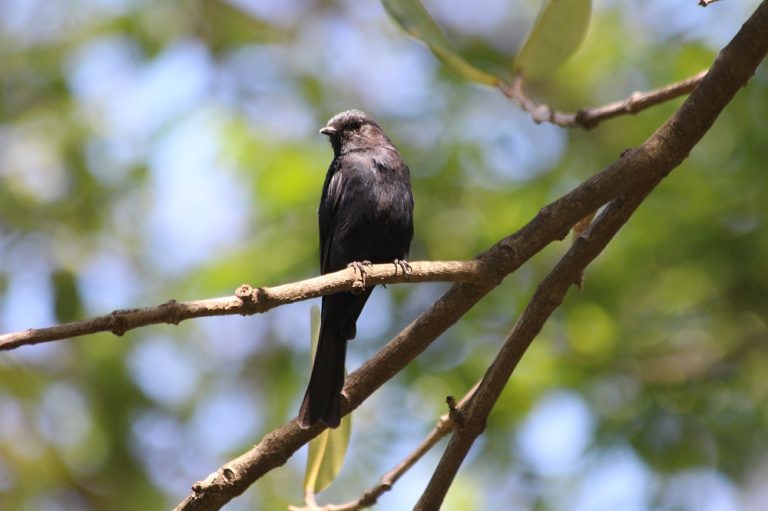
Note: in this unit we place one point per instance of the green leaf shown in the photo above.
(327, 450)
(556, 35)
(414, 19)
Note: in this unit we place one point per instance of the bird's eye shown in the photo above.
(356, 125)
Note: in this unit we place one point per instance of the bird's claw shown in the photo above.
(359, 267)
(403, 265)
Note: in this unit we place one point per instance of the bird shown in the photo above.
(365, 217)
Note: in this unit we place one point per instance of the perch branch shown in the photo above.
(247, 300)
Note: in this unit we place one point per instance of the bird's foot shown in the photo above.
(359, 268)
(403, 265)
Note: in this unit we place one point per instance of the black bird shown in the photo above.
(365, 216)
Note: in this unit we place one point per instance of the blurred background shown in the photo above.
(156, 150)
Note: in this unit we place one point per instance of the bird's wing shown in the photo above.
(333, 191)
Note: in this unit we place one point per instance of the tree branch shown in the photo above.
(590, 117)
(733, 67)
(248, 301)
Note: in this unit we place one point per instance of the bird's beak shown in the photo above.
(328, 130)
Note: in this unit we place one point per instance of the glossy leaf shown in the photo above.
(414, 19)
(556, 35)
(327, 450)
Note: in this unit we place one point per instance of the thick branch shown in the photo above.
(636, 169)
(592, 116)
(677, 136)
(248, 300)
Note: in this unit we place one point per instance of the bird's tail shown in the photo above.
(322, 401)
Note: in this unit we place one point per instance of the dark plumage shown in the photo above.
(365, 214)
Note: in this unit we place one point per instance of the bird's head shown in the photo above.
(353, 130)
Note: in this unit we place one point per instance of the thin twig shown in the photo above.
(590, 117)
(247, 300)
(705, 3)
